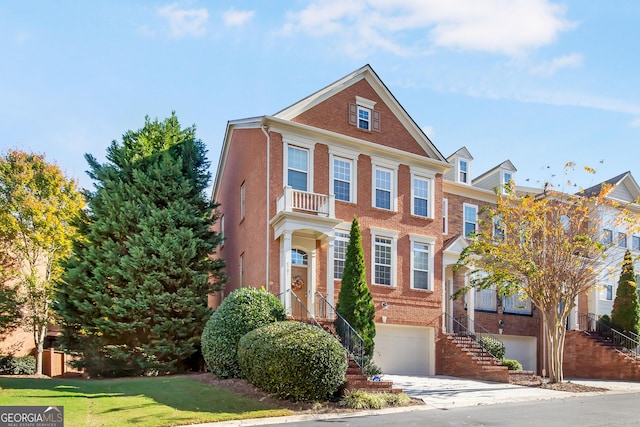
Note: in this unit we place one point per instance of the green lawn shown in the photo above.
(159, 401)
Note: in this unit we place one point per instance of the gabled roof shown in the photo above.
(367, 73)
(462, 152)
(506, 165)
(623, 187)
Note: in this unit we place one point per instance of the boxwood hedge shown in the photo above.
(240, 312)
(293, 360)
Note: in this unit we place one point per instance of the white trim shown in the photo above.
(353, 158)
(445, 215)
(430, 243)
(384, 234)
(430, 194)
(364, 102)
(459, 170)
(390, 167)
(310, 148)
(464, 220)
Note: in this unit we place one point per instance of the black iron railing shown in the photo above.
(488, 343)
(626, 342)
(351, 340)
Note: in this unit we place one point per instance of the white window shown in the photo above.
(486, 299)
(384, 253)
(608, 289)
(298, 168)
(384, 186)
(243, 193)
(470, 219)
(445, 216)
(463, 171)
(299, 257)
(422, 262)
(516, 304)
(607, 236)
(364, 118)
(499, 232)
(506, 181)
(421, 200)
(622, 240)
(340, 253)
(343, 176)
(635, 243)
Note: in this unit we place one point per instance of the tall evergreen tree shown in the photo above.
(134, 298)
(355, 302)
(625, 315)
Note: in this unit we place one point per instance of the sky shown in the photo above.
(537, 82)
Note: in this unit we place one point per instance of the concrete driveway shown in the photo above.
(442, 392)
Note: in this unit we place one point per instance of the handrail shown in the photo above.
(486, 341)
(351, 340)
(303, 308)
(590, 323)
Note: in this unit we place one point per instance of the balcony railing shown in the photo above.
(623, 341)
(302, 201)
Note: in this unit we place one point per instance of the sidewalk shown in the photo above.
(441, 392)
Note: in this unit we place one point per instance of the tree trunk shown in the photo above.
(554, 334)
(39, 334)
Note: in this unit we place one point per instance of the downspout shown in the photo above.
(265, 130)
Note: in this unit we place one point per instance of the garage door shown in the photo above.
(522, 349)
(405, 350)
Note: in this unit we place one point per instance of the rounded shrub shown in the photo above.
(512, 364)
(243, 310)
(293, 360)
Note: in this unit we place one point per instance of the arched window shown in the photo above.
(298, 257)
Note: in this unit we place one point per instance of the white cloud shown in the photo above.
(507, 27)
(429, 131)
(635, 122)
(551, 67)
(183, 22)
(237, 18)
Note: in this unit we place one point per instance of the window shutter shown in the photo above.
(375, 122)
(353, 114)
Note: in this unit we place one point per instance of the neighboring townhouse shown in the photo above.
(513, 320)
(620, 235)
(290, 184)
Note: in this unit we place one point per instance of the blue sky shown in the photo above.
(538, 82)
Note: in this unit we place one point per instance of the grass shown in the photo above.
(150, 402)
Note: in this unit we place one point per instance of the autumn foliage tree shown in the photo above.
(38, 207)
(547, 247)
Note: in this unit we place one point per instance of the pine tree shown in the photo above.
(134, 298)
(625, 315)
(355, 302)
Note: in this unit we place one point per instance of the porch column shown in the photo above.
(573, 323)
(311, 287)
(330, 271)
(285, 270)
(471, 305)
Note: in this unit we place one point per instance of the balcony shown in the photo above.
(304, 202)
(301, 210)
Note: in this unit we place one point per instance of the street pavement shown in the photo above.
(444, 392)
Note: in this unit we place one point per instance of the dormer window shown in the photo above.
(463, 171)
(507, 177)
(363, 116)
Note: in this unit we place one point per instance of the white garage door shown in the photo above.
(405, 350)
(522, 349)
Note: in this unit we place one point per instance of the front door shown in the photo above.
(299, 283)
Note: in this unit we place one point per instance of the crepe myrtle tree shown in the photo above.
(548, 247)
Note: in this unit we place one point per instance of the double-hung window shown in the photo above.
(342, 174)
(463, 171)
(384, 186)
(506, 184)
(340, 253)
(364, 118)
(607, 236)
(622, 240)
(421, 196)
(298, 168)
(635, 243)
(470, 219)
(422, 262)
(384, 256)
(445, 216)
